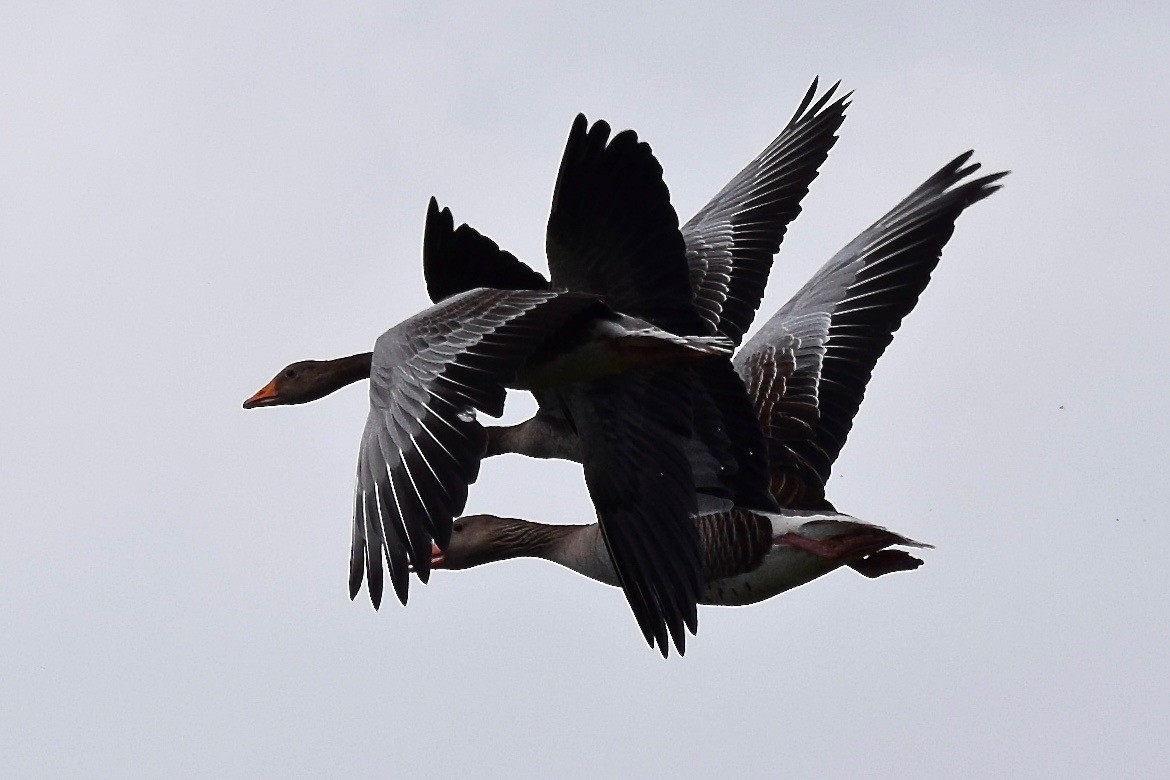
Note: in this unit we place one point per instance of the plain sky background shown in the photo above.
(193, 195)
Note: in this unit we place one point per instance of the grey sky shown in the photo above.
(192, 197)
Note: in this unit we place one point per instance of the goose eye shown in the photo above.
(290, 373)
(457, 527)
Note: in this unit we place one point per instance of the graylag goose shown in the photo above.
(430, 374)
(656, 417)
(421, 447)
(806, 371)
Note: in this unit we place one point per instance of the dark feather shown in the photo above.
(640, 482)
(459, 259)
(729, 417)
(613, 232)
(731, 241)
(422, 446)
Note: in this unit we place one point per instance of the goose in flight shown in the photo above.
(657, 414)
(806, 371)
(421, 446)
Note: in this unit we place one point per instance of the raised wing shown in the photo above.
(820, 348)
(459, 259)
(422, 446)
(613, 232)
(731, 241)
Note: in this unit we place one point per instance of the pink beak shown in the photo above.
(437, 558)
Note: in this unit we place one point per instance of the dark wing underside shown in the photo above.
(613, 232)
(731, 241)
(725, 422)
(459, 259)
(808, 366)
(641, 485)
(421, 446)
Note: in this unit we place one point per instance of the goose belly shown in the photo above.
(787, 565)
(783, 568)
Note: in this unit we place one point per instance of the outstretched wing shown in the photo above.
(422, 446)
(613, 232)
(731, 241)
(459, 259)
(824, 342)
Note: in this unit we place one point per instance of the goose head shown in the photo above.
(308, 380)
(479, 539)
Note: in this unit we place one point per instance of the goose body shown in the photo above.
(748, 557)
(799, 547)
(611, 345)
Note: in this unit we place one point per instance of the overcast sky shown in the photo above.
(192, 197)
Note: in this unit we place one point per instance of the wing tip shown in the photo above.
(812, 108)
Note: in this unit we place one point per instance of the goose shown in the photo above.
(421, 446)
(806, 370)
(659, 417)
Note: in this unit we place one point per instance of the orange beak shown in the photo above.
(264, 396)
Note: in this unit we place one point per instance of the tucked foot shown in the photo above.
(885, 562)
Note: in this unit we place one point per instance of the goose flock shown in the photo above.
(706, 466)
